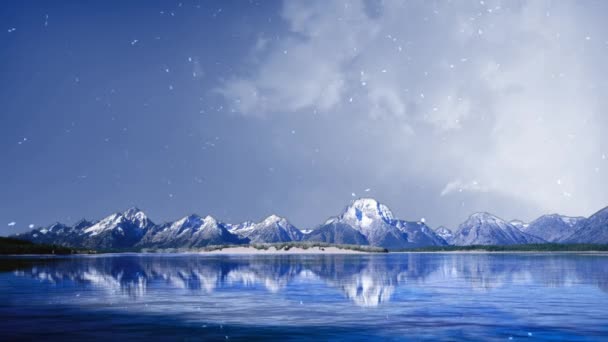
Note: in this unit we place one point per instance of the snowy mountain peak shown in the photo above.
(134, 214)
(273, 219)
(444, 233)
(364, 212)
(484, 216)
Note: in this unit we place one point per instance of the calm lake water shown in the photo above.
(561, 297)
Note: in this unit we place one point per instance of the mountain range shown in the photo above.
(364, 222)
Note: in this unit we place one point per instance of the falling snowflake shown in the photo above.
(134, 41)
(12, 29)
(12, 224)
(367, 190)
(353, 194)
(31, 226)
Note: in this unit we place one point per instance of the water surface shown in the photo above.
(300, 297)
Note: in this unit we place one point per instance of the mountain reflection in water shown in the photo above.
(366, 280)
(460, 296)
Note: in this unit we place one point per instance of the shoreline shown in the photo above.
(273, 251)
(500, 252)
(242, 251)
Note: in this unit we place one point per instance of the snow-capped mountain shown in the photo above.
(272, 229)
(367, 220)
(188, 232)
(592, 230)
(364, 222)
(487, 229)
(444, 233)
(119, 230)
(554, 227)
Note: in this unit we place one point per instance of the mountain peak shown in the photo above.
(133, 213)
(272, 219)
(487, 218)
(364, 211)
(483, 216)
(210, 220)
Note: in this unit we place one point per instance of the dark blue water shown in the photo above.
(560, 297)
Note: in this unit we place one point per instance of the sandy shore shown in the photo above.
(292, 250)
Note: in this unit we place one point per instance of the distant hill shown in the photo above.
(16, 246)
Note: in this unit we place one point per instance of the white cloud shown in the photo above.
(512, 108)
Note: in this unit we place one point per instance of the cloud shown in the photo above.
(501, 92)
(460, 186)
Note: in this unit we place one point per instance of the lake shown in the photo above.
(409, 296)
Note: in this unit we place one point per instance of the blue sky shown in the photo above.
(242, 109)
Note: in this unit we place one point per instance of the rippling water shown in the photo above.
(290, 297)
